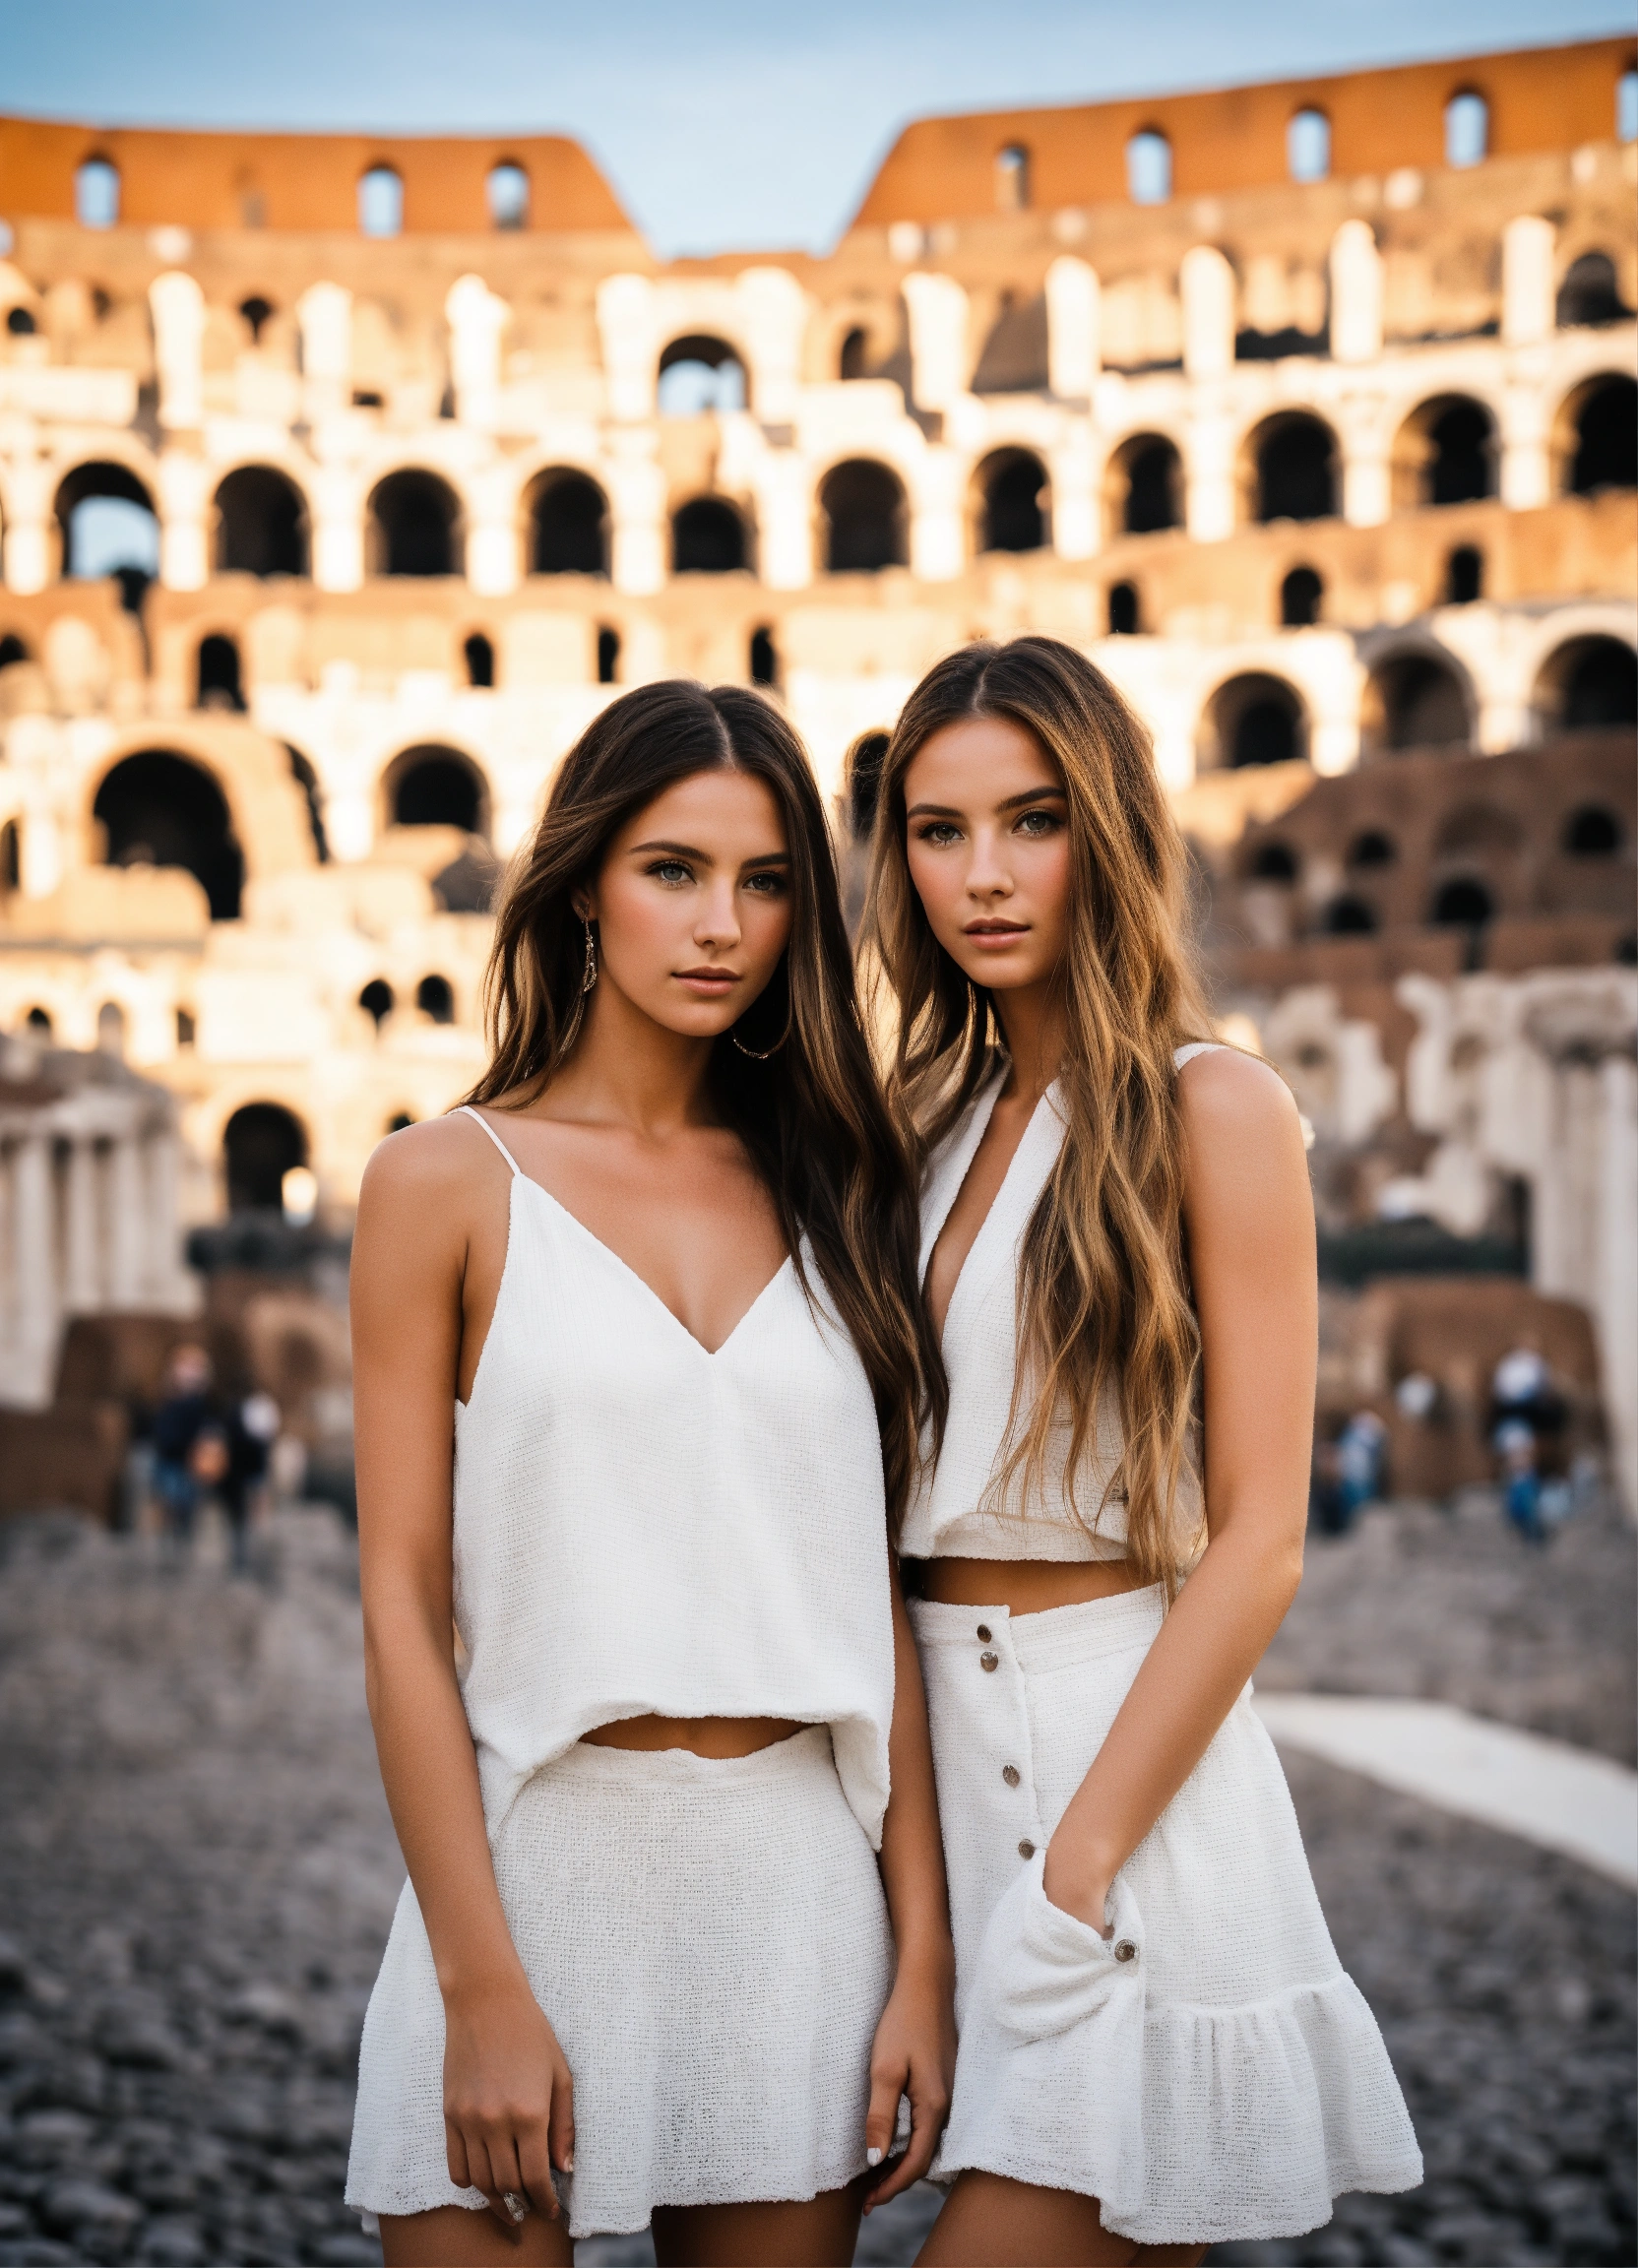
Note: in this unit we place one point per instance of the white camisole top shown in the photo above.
(956, 1512)
(643, 1526)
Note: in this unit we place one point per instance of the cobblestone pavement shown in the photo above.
(197, 1874)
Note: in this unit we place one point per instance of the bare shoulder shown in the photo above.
(431, 1171)
(1224, 1095)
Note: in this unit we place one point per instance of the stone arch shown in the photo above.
(219, 674)
(708, 538)
(1301, 596)
(1143, 486)
(414, 524)
(1587, 684)
(262, 523)
(160, 808)
(700, 373)
(1288, 467)
(1444, 452)
(261, 1143)
(435, 998)
(1008, 514)
(1596, 435)
(435, 785)
(1254, 718)
(477, 653)
(122, 541)
(1590, 293)
(1414, 698)
(567, 518)
(865, 517)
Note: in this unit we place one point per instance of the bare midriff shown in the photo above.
(1026, 1586)
(712, 1737)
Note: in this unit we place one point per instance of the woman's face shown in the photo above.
(988, 841)
(693, 903)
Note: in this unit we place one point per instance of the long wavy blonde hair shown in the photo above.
(1104, 1304)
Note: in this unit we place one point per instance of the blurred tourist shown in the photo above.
(1521, 1479)
(251, 1431)
(187, 1441)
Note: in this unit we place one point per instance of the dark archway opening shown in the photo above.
(261, 524)
(12, 650)
(1463, 903)
(1125, 613)
(853, 361)
(700, 374)
(1274, 862)
(1153, 497)
(1461, 458)
(764, 657)
(108, 527)
(1606, 438)
(218, 683)
(1371, 848)
(1593, 831)
(413, 520)
(1257, 720)
(1299, 599)
(438, 788)
(435, 998)
(376, 1000)
(1414, 702)
(162, 810)
(1601, 686)
(1348, 917)
(1590, 293)
(708, 538)
(863, 505)
(1011, 485)
(479, 656)
(1464, 576)
(261, 1143)
(1295, 470)
(568, 526)
(608, 655)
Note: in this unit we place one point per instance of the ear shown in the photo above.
(581, 905)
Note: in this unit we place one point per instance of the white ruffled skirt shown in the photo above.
(710, 1943)
(1208, 2072)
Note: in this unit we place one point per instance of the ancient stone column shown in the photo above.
(1367, 477)
(784, 521)
(82, 1272)
(38, 1297)
(937, 310)
(627, 325)
(1526, 448)
(1526, 293)
(1075, 518)
(1073, 294)
(477, 321)
(1206, 283)
(937, 522)
(338, 528)
(1617, 1296)
(29, 526)
(128, 1223)
(162, 1170)
(184, 504)
(493, 545)
(774, 317)
(1208, 478)
(178, 309)
(325, 314)
(637, 511)
(1356, 294)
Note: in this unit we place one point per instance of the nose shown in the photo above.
(987, 874)
(719, 917)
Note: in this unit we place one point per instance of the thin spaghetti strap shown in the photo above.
(493, 1136)
(1195, 1048)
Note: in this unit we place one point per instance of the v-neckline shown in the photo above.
(973, 1134)
(642, 1283)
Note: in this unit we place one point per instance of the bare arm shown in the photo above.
(507, 2095)
(1250, 1222)
(914, 2051)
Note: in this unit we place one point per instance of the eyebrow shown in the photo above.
(1011, 804)
(703, 857)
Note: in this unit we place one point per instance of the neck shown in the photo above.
(627, 1070)
(1032, 1020)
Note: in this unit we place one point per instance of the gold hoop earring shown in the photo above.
(591, 975)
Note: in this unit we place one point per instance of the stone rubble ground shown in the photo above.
(197, 1874)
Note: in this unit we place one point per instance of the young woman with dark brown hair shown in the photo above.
(1158, 2047)
(640, 1369)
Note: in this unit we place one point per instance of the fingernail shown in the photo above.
(568, 2162)
(872, 2156)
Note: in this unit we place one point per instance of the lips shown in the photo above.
(708, 980)
(994, 932)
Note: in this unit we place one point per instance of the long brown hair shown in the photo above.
(811, 1116)
(1103, 1294)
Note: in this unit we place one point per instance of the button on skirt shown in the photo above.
(710, 1943)
(1207, 2071)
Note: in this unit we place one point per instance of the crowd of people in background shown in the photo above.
(199, 1444)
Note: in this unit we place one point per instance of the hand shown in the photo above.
(509, 2102)
(1077, 1883)
(913, 2053)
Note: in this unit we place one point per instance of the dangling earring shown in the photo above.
(591, 975)
(761, 1054)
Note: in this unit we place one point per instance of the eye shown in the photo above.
(768, 884)
(938, 832)
(673, 873)
(1040, 822)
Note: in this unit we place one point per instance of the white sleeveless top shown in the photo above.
(641, 1526)
(956, 1511)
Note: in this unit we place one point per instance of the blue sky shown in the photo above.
(722, 123)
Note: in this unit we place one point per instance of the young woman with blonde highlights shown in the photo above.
(1158, 2047)
(640, 1365)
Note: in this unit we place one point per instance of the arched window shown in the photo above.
(217, 679)
(1370, 848)
(435, 998)
(377, 1000)
(1125, 615)
(764, 657)
(853, 361)
(1466, 129)
(1626, 106)
(161, 809)
(1348, 917)
(261, 1143)
(1011, 484)
(96, 194)
(1293, 461)
(1588, 685)
(1462, 903)
(1149, 168)
(1146, 487)
(1274, 862)
(38, 1024)
(1255, 718)
(608, 655)
(12, 650)
(1592, 832)
(257, 314)
(261, 524)
(507, 193)
(479, 656)
(19, 322)
(1308, 146)
(1444, 452)
(111, 1029)
(108, 527)
(1601, 450)
(708, 538)
(380, 202)
(434, 786)
(1413, 701)
(1464, 576)
(698, 375)
(1590, 293)
(1012, 179)
(568, 526)
(413, 520)
(1299, 599)
(863, 504)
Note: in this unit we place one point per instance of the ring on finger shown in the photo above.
(517, 2207)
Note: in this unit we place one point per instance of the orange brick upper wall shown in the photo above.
(307, 182)
(1539, 98)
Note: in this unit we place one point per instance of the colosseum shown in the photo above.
(342, 480)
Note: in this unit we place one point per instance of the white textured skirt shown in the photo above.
(709, 1943)
(1208, 2071)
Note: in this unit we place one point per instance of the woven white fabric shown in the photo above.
(711, 1944)
(641, 1526)
(1209, 2072)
